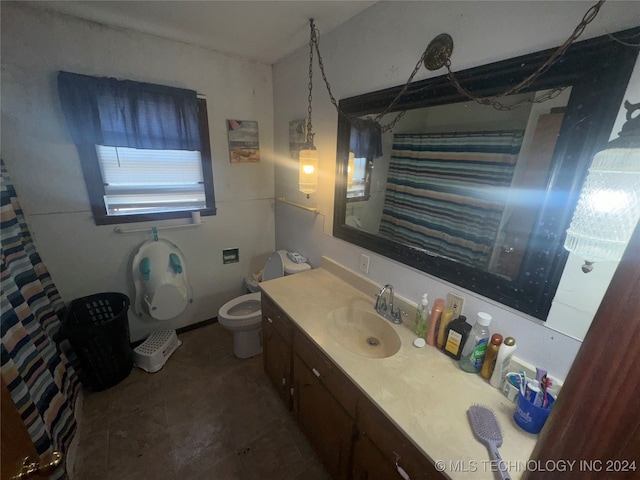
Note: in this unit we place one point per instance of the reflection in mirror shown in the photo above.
(359, 178)
(460, 180)
(475, 196)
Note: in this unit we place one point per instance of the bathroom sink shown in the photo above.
(364, 333)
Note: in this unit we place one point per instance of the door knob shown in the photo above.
(30, 468)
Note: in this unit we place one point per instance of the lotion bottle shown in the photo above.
(422, 317)
(491, 356)
(502, 362)
(445, 319)
(434, 320)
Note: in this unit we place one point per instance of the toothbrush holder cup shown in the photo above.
(530, 417)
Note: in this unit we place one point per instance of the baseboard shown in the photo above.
(195, 326)
(185, 329)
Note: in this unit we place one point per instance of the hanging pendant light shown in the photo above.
(308, 157)
(308, 176)
(609, 205)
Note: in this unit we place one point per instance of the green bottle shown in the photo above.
(474, 350)
(422, 317)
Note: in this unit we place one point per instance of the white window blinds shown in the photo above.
(151, 181)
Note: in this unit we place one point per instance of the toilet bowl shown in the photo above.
(242, 315)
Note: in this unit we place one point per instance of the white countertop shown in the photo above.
(421, 390)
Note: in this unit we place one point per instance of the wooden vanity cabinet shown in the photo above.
(277, 331)
(350, 434)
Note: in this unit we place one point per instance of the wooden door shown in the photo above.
(595, 420)
(15, 442)
(535, 164)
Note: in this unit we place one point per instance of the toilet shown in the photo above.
(242, 315)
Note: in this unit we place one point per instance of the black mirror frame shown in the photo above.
(598, 70)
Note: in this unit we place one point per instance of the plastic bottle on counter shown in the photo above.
(455, 336)
(447, 315)
(422, 317)
(474, 350)
(502, 362)
(434, 320)
(491, 356)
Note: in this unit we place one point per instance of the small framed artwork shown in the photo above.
(297, 136)
(244, 141)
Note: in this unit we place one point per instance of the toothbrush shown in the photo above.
(545, 384)
(523, 381)
(487, 430)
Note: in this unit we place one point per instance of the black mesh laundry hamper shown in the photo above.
(97, 328)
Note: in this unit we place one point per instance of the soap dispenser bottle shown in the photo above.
(422, 315)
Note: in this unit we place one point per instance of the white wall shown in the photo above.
(41, 159)
(378, 49)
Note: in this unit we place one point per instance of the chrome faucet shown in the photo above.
(388, 310)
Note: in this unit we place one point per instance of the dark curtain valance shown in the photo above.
(124, 113)
(366, 139)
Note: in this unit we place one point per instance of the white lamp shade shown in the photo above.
(308, 177)
(609, 206)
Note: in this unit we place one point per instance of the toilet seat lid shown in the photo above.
(274, 267)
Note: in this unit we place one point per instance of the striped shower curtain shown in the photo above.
(42, 383)
(446, 191)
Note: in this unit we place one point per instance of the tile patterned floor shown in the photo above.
(205, 415)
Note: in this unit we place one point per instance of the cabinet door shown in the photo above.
(277, 331)
(324, 422)
(369, 463)
(277, 360)
(384, 452)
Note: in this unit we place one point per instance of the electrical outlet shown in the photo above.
(364, 263)
(455, 303)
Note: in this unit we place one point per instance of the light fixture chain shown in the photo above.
(316, 43)
(416, 69)
(309, 129)
(493, 100)
(588, 17)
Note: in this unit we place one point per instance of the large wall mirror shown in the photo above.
(477, 196)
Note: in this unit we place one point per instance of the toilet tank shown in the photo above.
(279, 264)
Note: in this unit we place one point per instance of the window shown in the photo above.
(150, 181)
(144, 148)
(134, 184)
(359, 179)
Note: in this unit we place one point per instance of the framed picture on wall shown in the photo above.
(244, 141)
